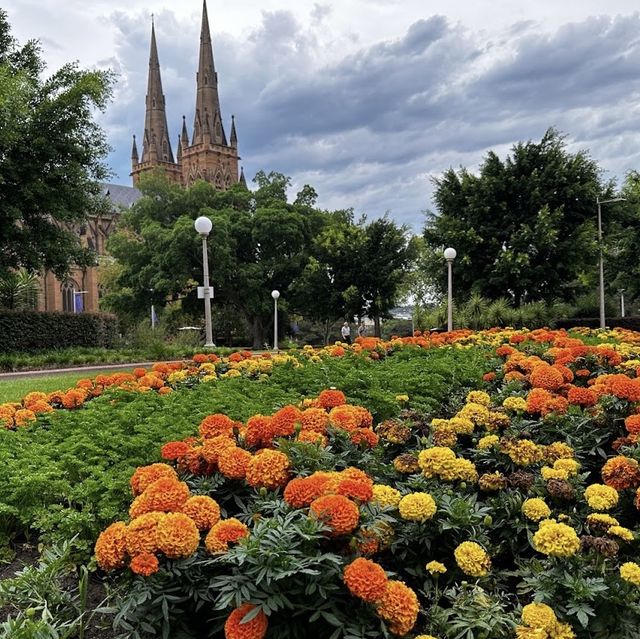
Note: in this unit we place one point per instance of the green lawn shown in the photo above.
(15, 389)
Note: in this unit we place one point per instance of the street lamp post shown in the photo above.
(203, 226)
(450, 255)
(621, 291)
(600, 202)
(275, 295)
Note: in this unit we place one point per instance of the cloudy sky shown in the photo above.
(367, 100)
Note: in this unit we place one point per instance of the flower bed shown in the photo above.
(512, 512)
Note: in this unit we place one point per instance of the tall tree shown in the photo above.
(51, 157)
(523, 227)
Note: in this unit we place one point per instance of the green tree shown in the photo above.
(52, 154)
(523, 227)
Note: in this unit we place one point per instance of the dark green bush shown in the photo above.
(35, 331)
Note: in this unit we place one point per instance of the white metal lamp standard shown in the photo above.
(450, 255)
(275, 295)
(599, 202)
(203, 226)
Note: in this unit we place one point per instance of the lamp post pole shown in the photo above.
(275, 295)
(203, 226)
(600, 202)
(621, 291)
(450, 255)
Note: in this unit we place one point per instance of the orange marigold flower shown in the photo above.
(223, 533)
(151, 380)
(537, 400)
(32, 397)
(399, 607)
(256, 628)
(488, 377)
(632, 424)
(177, 535)
(111, 548)
(364, 437)
(200, 358)
(74, 398)
(338, 512)
(365, 418)
(556, 404)
(581, 396)
(233, 462)
(583, 372)
(145, 475)
(344, 417)
(214, 425)
(204, 511)
(174, 450)
(567, 374)
(315, 419)
(301, 491)
(268, 469)
(547, 377)
(165, 390)
(142, 533)
(312, 437)
(366, 579)
(163, 495)
(331, 398)
(621, 472)
(283, 423)
(514, 376)
(624, 387)
(214, 447)
(24, 416)
(139, 372)
(258, 432)
(40, 406)
(145, 564)
(505, 351)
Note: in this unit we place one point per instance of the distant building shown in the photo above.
(208, 155)
(80, 290)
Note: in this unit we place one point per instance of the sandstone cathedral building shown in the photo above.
(208, 155)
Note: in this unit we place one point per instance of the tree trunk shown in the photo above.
(258, 333)
(376, 326)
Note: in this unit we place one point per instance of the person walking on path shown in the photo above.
(361, 329)
(346, 333)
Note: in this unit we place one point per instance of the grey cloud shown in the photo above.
(368, 129)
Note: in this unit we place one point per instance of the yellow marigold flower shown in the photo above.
(552, 473)
(461, 425)
(426, 637)
(417, 507)
(558, 450)
(402, 398)
(630, 571)
(386, 496)
(433, 461)
(622, 532)
(436, 568)
(601, 497)
(563, 631)
(524, 632)
(477, 413)
(479, 397)
(523, 452)
(539, 615)
(571, 466)
(555, 539)
(601, 520)
(498, 420)
(535, 509)
(472, 559)
(488, 441)
(437, 423)
(515, 404)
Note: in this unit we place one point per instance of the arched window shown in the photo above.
(67, 288)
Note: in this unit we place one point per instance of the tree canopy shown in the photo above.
(325, 265)
(51, 156)
(523, 227)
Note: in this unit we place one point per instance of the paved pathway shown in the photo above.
(75, 369)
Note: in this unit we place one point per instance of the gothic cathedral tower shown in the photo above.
(210, 156)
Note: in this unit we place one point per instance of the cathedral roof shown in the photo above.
(121, 196)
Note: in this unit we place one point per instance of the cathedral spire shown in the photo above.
(184, 136)
(242, 179)
(233, 139)
(134, 152)
(156, 144)
(207, 125)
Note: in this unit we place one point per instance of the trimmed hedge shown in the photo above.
(631, 323)
(33, 330)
